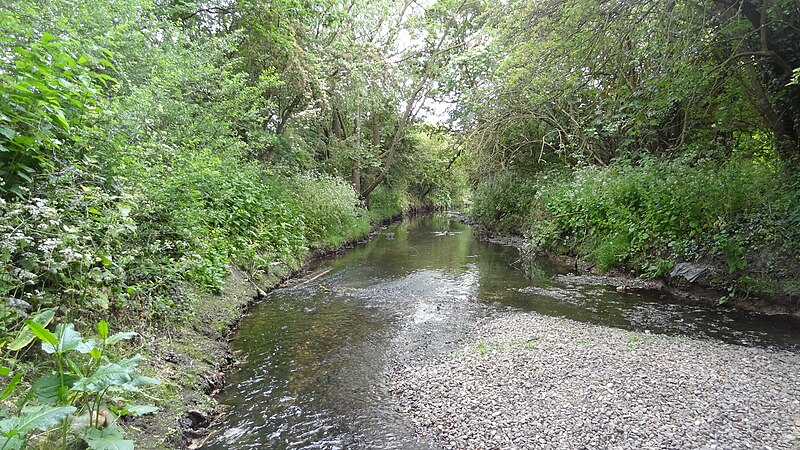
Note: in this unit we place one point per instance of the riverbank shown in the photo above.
(706, 289)
(729, 228)
(192, 358)
(529, 381)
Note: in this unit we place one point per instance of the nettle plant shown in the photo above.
(80, 398)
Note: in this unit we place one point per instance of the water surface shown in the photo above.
(314, 354)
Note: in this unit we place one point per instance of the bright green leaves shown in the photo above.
(68, 339)
(52, 387)
(44, 93)
(102, 329)
(42, 417)
(81, 383)
(27, 335)
(42, 333)
(107, 439)
(36, 418)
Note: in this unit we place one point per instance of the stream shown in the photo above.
(314, 353)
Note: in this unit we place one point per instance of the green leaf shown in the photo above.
(10, 443)
(42, 417)
(59, 118)
(48, 389)
(120, 336)
(86, 346)
(124, 210)
(69, 340)
(139, 410)
(42, 333)
(102, 329)
(105, 259)
(95, 211)
(26, 335)
(140, 380)
(7, 132)
(8, 427)
(107, 439)
(10, 386)
(131, 362)
(104, 377)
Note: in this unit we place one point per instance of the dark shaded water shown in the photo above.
(315, 353)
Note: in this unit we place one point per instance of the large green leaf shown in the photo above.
(42, 333)
(104, 377)
(46, 388)
(68, 340)
(8, 427)
(120, 336)
(42, 417)
(26, 335)
(107, 439)
(12, 443)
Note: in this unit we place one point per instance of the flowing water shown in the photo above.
(315, 353)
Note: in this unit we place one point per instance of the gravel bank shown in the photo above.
(532, 381)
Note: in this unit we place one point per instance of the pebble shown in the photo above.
(584, 386)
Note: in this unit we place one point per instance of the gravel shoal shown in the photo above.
(526, 381)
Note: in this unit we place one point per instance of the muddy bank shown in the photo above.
(708, 288)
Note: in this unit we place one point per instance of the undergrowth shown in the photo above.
(741, 214)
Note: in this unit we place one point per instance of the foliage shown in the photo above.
(505, 203)
(330, 209)
(386, 202)
(77, 397)
(660, 211)
(615, 80)
(46, 91)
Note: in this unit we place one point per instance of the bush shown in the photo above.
(329, 208)
(505, 203)
(640, 215)
(387, 202)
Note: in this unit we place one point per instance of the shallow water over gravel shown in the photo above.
(315, 354)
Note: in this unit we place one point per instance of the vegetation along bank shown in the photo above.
(161, 161)
(634, 144)
(162, 164)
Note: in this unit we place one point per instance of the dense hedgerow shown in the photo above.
(651, 215)
(160, 225)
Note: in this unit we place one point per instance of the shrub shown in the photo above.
(639, 215)
(387, 202)
(505, 202)
(329, 208)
